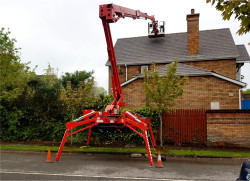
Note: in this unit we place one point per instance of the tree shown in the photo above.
(102, 101)
(77, 99)
(50, 77)
(76, 77)
(44, 111)
(13, 78)
(246, 91)
(241, 9)
(13, 74)
(162, 90)
(97, 91)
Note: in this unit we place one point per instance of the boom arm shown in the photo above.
(111, 13)
(110, 118)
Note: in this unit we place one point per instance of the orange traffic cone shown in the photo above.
(49, 157)
(159, 163)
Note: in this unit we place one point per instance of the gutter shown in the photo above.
(126, 72)
(180, 60)
(240, 92)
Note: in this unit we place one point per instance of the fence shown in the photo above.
(245, 104)
(185, 126)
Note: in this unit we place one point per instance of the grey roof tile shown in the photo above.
(183, 69)
(214, 45)
(243, 53)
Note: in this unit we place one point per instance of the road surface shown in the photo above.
(25, 165)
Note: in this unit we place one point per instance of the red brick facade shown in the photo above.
(222, 67)
(199, 92)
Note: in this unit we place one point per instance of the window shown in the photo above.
(144, 67)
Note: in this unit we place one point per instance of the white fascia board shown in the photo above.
(242, 61)
(127, 82)
(242, 84)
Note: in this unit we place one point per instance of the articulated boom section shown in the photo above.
(111, 117)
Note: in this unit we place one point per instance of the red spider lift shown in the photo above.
(111, 117)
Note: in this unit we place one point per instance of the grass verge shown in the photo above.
(191, 153)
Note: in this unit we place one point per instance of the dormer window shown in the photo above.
(143, 68)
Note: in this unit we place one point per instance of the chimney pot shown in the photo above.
(192, 11)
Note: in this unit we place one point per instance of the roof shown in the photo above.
(244, 57)
(214, 45)
(183, 69)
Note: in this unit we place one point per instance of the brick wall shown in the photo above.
(228, 128)
(223, 67)
(199, 92)
(132, 70)
(134, 94)
(197, 89)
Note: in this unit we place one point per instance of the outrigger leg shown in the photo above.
(89, 136)
(92, 118)
(148, 148)
(62, 144)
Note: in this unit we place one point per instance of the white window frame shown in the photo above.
(143, 67)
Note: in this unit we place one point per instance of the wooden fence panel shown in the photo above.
(185, 126)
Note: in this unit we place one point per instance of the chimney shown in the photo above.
(193, 33)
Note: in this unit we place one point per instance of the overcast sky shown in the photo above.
(68, 34)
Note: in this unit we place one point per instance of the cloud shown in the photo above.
(69, 34)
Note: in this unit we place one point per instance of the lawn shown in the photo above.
(87, 149)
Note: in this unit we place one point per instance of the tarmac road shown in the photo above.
(25, 165)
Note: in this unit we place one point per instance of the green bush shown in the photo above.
(38, 107)
(131, 137)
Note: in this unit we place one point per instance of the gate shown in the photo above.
(185, 126)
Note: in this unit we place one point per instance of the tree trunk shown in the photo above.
(161, 140)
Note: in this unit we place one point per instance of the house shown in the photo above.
(210, 58)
